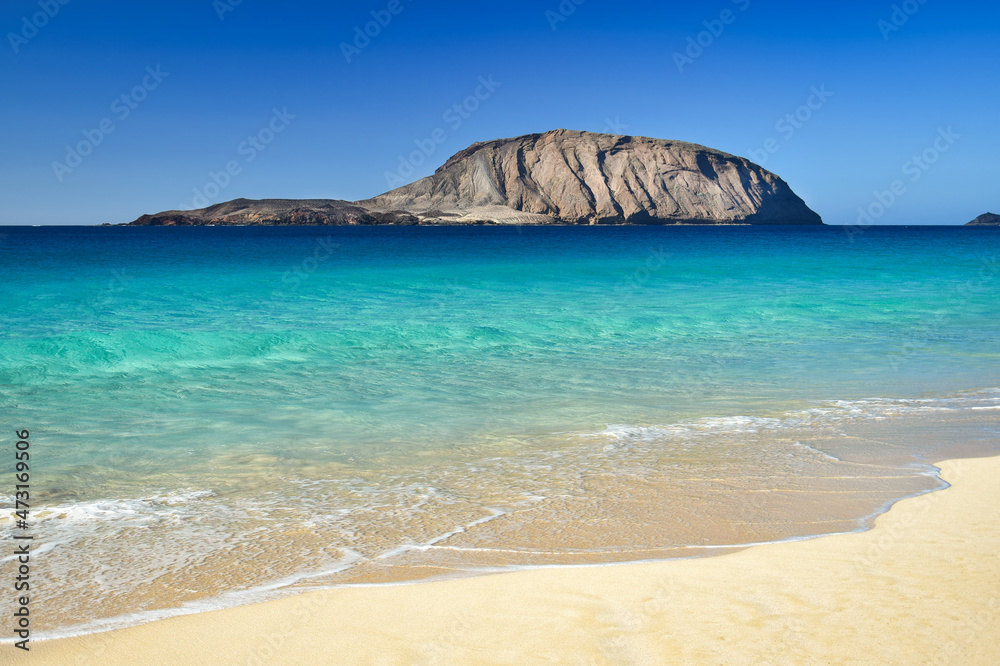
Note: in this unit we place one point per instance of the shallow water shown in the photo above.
(217, 410)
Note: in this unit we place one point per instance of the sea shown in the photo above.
(224, 415)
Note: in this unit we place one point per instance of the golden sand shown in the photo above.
(922, 587)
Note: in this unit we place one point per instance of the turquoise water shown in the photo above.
(229, 380)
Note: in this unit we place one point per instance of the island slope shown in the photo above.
(559, 177)
(986, 219)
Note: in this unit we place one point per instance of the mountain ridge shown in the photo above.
(555, 177)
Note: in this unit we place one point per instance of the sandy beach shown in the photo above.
(922, 587)
(577, 333)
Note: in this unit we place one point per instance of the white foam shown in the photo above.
(427, 545)
(62, 524)
(832, 413)
(231, 599)
(112, 510)
(823, 454)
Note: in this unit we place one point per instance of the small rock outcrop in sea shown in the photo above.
(559, 177)
(985, 219)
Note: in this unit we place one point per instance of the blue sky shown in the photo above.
(193, 88)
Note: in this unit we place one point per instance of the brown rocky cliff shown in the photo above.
(559, 177)
(580, 177)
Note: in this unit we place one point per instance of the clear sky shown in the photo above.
(190, 88)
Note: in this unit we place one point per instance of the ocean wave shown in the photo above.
(827, 413)
(370, 520)
(107, 510)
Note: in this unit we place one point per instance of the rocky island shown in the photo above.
(559, 177)
(986, 219)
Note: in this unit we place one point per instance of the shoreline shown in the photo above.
(660, 609)
(639, 517)
(286, 589)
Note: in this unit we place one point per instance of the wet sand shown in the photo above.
(626, 495)
(923, 586)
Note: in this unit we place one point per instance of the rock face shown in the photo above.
(584, 178)
(986, 219)
(559, 177)
(273, 212)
